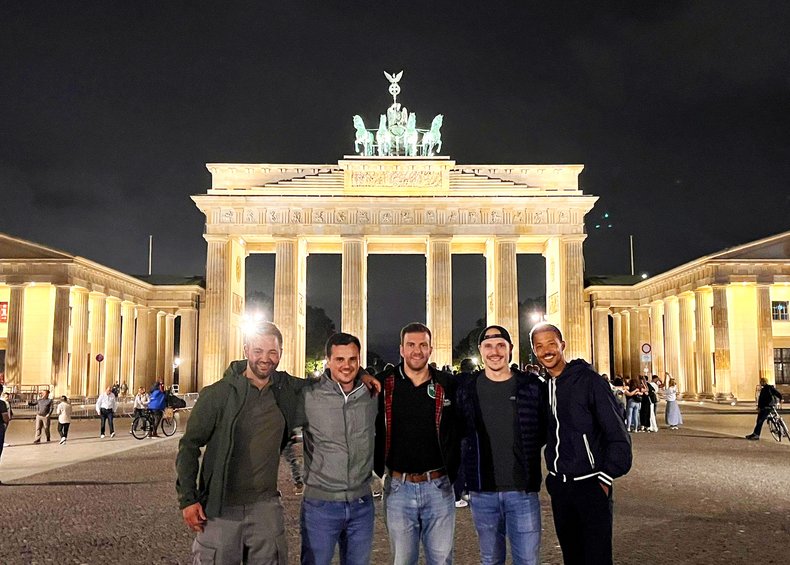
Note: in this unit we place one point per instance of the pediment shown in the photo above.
(16, 248)
(776, 247)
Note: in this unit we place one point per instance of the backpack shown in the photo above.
(172, 401)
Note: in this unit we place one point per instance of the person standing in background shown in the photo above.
(64, 418)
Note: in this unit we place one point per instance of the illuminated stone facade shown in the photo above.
(428, 206)
(715, 324)
(59, 312)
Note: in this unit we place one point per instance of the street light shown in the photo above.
(535, 317)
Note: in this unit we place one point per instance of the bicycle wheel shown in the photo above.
(169, 426)
(776, 431)
(140, 426)
(783, 428)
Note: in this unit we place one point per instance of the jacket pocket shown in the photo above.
(589, 453)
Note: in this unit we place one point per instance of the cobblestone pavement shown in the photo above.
(693, 496)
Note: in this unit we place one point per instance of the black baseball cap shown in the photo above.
(501, 333)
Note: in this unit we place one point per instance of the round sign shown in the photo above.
(646, 348)
(99, 357)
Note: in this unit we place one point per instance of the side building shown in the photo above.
(76, 327)
(716, 324)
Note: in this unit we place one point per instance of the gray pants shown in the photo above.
(253, 533)
(42, 424)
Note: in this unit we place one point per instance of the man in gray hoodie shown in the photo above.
(339, 437)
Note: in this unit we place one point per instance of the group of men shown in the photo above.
(417, 427)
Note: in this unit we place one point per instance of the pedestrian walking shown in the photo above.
(105, 407)
(672, 415)
(43, 413)
(587, 448)
(4, 419)
(7, 402)
(769, 397)
(64, 418)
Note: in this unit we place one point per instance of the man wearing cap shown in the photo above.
(504, 428)
(588, 447)
(417, 444)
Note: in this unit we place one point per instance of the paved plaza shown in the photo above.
(701, 494)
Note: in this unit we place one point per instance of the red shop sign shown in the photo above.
(3, 312)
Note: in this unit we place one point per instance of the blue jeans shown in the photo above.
(515, 514)
(633, 415)
(326, 523)
(420, 512)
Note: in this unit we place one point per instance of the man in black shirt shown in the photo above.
(416, 444)
(503, 431)
(768, 398)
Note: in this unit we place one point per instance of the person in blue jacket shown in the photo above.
(157, 404)
(587, 447)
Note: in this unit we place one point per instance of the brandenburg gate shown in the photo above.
(398, 200)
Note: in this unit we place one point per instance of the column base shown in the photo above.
(690, 396)
(724, 398)
(705, 396)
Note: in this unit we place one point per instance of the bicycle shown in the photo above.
(143, 425)
(777, 425)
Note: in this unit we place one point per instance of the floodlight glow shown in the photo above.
(535, 317)
(474, 360)
(644, 276)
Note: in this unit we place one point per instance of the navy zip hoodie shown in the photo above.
(586, 433)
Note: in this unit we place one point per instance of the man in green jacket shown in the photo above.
(243, 420)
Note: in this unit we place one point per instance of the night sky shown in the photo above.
(110, 111)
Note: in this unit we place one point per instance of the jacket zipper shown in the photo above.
(553, 403)
(589, 453)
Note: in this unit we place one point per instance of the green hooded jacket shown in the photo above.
(212, 424)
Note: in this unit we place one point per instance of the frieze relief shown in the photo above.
(396, 178)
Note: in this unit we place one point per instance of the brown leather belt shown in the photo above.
(418, 477)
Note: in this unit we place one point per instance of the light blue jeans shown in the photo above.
(515, 514)
(420, 512)
(633, 415)
(325, 524)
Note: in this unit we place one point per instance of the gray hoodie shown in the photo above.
(339, 437)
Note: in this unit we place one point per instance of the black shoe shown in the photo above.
(753, 437)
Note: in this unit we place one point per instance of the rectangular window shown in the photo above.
(779, 310)
(782, 365)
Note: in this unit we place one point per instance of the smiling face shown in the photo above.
(416, 350)
(343, 365)
(263, 355)
(495, 351)
(549, 350)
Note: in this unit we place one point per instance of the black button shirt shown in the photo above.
(414, 445)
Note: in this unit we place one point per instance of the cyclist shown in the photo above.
(140, 404)
(769, 397)
(157, 404)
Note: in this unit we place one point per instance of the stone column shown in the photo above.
(502, 287)
(686, 326)
(657, 337)
(142, 350)
(634, 344)
(290, 289)
(218, 308)
(765, 333)
(127, 345)
(574, 328)
(644, 337)
(112, 361)
(98, 320)
(618, 343)
(721, 337)
(14, 349)
(625, 344)
(188, 342)
(672, 341)
(60, 341)
(170, 334)
(152, 335)
(601, 340)
(79, 342)
(355, 290)
(702, 317)
(161, 340)
(439, 308)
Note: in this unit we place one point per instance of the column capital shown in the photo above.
(573, 237)
(114, 299)
(215, 238)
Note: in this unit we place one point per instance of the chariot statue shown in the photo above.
(397, 134)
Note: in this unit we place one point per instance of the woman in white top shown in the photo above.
(140, 405)
(672, 414)
(64, 418)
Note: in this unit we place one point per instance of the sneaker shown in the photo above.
(298, 489)
(37, 441)
(753, 437)
(112, 434)
(62, 440)
(461, 503)
(102, 436)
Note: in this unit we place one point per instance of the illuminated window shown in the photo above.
(779, 310)
(782, 365)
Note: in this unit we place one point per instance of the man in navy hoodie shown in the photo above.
(587, 448)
